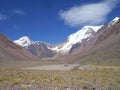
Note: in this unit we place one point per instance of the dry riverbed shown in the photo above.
(62, 67)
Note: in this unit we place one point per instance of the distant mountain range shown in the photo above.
(98, 43)
(42, 49)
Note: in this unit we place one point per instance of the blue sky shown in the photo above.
(53, 20)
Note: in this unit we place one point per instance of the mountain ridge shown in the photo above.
(73, 41)
(65, 46)
(43, 50)
(102, 47)
(77, 37)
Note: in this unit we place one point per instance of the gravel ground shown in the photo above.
(61, 67)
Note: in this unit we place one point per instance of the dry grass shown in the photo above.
(17, 79)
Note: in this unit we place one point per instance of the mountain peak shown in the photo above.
(24, 41)
(85, 33)
(24, 37)
(95, 28)
(116, 19)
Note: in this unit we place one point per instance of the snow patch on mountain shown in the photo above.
(115, 20)
(24, 41)
(85, 33)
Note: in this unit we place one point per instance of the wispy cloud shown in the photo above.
(7, 14)
(94, 13)
(18, 12)
(3, 17)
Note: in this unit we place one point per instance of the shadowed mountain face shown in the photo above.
(40, 50)
(10, 51)
(103, 48)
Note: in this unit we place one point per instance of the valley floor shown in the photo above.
(99, 78)
(62, 67)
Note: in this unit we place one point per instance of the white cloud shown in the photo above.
(3, 17)
(19, 12)
(94, 13)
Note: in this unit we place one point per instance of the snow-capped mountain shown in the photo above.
(23, 41)
(73, 40)
(105, 31)
(85, 33)
(116, 19)
(37, 48)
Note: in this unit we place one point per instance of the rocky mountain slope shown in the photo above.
(10, 51)
(103, 48)
(86, 33)
(37, 48)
